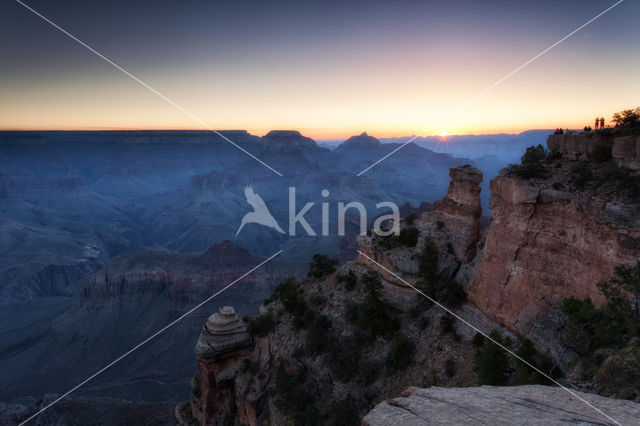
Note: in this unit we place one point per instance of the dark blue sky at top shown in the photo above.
(151, 31)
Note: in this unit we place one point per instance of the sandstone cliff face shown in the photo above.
(548, 241)
(223, 342)
(577, 146)
(531, 405)
(454, 225)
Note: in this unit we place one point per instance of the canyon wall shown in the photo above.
(577, 146)
(549, 240)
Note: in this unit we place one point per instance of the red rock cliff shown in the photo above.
(548, 241)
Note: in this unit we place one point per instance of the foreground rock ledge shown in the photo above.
(523, 405)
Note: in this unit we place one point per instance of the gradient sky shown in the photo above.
(330, 69)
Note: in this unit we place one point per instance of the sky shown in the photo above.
(330, 69)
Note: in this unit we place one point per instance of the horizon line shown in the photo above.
(258, 134)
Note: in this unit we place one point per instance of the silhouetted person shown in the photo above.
(597, 123)
(601, 123)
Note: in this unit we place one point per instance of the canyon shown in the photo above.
(145, 255)
(548, 239)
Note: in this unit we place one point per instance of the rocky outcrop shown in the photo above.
(578, 146)
(187, 277)
(223, 342)
(548, 241)
(530, 405)
(79, 411)
(626, 151)
(461, 210)
(287, 139)
(454, 225)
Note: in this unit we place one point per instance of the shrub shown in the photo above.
(317, 300)
(350, 281)
(342, 413)
(447, 323)
(450, 249)
(452, 294)
(492, 362)
(410, 219)
(428, 267)
(581, 174)
(601, 154)
(478, 340)
(613, 324)
(619, 375)
(369, 371)
(450, 367)
(400, 353)
(318, 335)
(261, 325)
(526, 374)
(293, 396)
(440, 225)
(532, 163)
(249, 366)
(321, 266)
(345, 359)
(290, 294)
(408, 237)
(627, 120)
(373, 315)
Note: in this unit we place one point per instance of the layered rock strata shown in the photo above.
(222, 343)
(530, 405)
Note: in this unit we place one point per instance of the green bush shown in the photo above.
(345, 359)
(374, 315)
(581, 174)
(261, 325)
(619, 375)
(601, 154)
(450, 249)
(408, 236)
(428, 267)
(613, 324)
(448, 323)
(342, 413)
(451, 294)
(293, 396)
(492, 362)
(290, 295)
(532, 163)
(350, 281)
(525, 374)
(318, 335)
(321, 266)
(627, 120)
(410, 219)
(400, 353)
(450, 368)
(369, 371)
(478, 340)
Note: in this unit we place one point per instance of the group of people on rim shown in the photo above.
(599, 125)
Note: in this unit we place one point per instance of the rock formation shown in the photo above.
(548, 241)
(461, 210)
(577, 146)
(222, 343)
(454, 225)
(531, 405)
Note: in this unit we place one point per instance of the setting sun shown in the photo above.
(444, 134)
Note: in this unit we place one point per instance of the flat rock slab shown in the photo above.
(491, 405)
